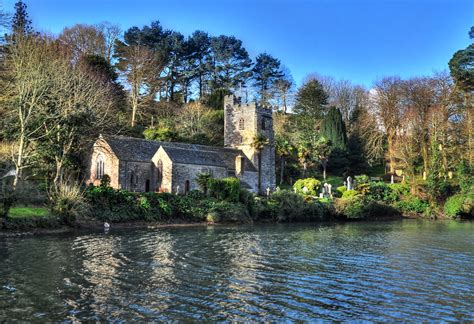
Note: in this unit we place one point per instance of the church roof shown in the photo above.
(137, 149)
(132, 149)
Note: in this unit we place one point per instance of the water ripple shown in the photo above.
(410, 270)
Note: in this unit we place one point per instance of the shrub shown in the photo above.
(358, 207)
(339, 191)
(349, 194)
(228, 212)
(362, 179)
(460, 205)
(465, 176)
(400, 189)
(68, 202)
(290, 205)
(225, 189)
(349, 207)
(379, 191)
(412, 204)
(312, 186)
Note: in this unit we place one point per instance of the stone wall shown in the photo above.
(189, 172)
(133, 176)
(256, 120)
(111, 164)
(165, 183)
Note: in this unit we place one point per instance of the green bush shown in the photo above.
(460, 205)
(228, 212)
(287, 206)
(380, 191)
(358, 207)
(339, 191)
(412, 204)
(349, 194)
(362, 179)
(400, 189)
(225, 189)
(349, 207)
(312, 186)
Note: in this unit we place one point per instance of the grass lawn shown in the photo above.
(20, 212)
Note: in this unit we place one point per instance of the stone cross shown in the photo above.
(268, 191)
(392, 180)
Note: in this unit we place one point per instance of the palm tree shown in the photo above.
(323, 149)
(304, 156)
(258, 144)
(284, 149)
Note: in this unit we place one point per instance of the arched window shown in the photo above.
(241, 124)
(100, 166)
(264, 125)
(159, 168)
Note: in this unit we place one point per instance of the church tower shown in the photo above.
(242, 124)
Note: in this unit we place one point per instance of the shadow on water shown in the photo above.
(377, 271)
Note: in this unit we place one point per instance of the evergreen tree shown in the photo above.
(436, 182)
(334, 129)
(21, 23)
(265, 72)
(311, 100)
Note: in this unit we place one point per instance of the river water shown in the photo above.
(385, 271)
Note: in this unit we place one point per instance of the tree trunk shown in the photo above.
(19, 162)
(282, 169)
(391, 158)
(425, 156)
(324, 170)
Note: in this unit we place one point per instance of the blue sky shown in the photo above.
(355, 40)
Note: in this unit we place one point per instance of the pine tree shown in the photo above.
(21, 23)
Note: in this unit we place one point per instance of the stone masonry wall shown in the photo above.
(189, 172)
(141, 171)
(111, 164)
(257, 120)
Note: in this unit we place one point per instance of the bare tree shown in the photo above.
(111, 33)
(387, 101)
(84, 40)
(138, 66)
(26, 83)
(80, 104)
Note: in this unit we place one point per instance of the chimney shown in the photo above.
(239, 165)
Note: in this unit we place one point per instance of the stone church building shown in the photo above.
(143, 165)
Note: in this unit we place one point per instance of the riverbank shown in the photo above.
(230, 204)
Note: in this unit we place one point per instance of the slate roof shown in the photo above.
(137, 149)
(132, 149)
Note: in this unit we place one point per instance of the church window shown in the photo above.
(100, 166)
(159, 166)
(241, 124)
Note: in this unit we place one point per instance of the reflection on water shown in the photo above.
(371, 271)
